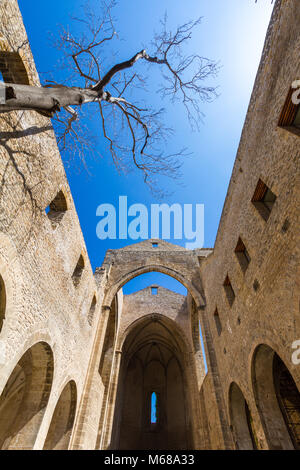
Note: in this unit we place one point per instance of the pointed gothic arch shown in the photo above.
(25, 397)
(160, 268)
(61, 426)
(155, 356)
(241, 420)
(277, 398)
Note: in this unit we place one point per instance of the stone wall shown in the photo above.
(266, 305)
(37, 257)
(65, 331)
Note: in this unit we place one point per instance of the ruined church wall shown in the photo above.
(266, 305)
(37, 260)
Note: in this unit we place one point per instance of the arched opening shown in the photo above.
(153, 408)
(157, 279)
(25, 397)
(241, 420)
(153, 279)
(157, 268)
(2, 302)
(60, 430)
(140, 304)
(278, 399)
(12, 68)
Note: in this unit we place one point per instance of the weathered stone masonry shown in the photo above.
(79, 360)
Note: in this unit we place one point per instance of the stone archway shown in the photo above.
(127, 263)
(128, 276)
(278, 399)
(25, 397)
(241, 420)
(119, 267)
(61, 426)
(154, 360)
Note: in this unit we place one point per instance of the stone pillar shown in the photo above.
(110, 408)
(86, 426)
(214, 370)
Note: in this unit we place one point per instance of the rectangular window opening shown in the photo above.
(290, 114)
(296, 121)
(154, 290)
(242, 255)
(57, 209)
(263, 199)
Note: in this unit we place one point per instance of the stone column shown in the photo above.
(212, 364)
(113, 387)
(86, 426)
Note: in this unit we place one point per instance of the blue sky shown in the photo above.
(232, 33)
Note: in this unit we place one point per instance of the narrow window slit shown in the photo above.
(77, 274)
(153, 408)
(92, 311)
(229, 291)
(218, 322)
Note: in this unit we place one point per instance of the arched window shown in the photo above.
(61, 426)
(154, 408)
(12, 68)
(241, 420)
(288, 398)
(25, 397)
(277, 398)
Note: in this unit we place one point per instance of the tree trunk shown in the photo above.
(45, 100)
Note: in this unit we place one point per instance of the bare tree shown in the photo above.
(130, 127)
